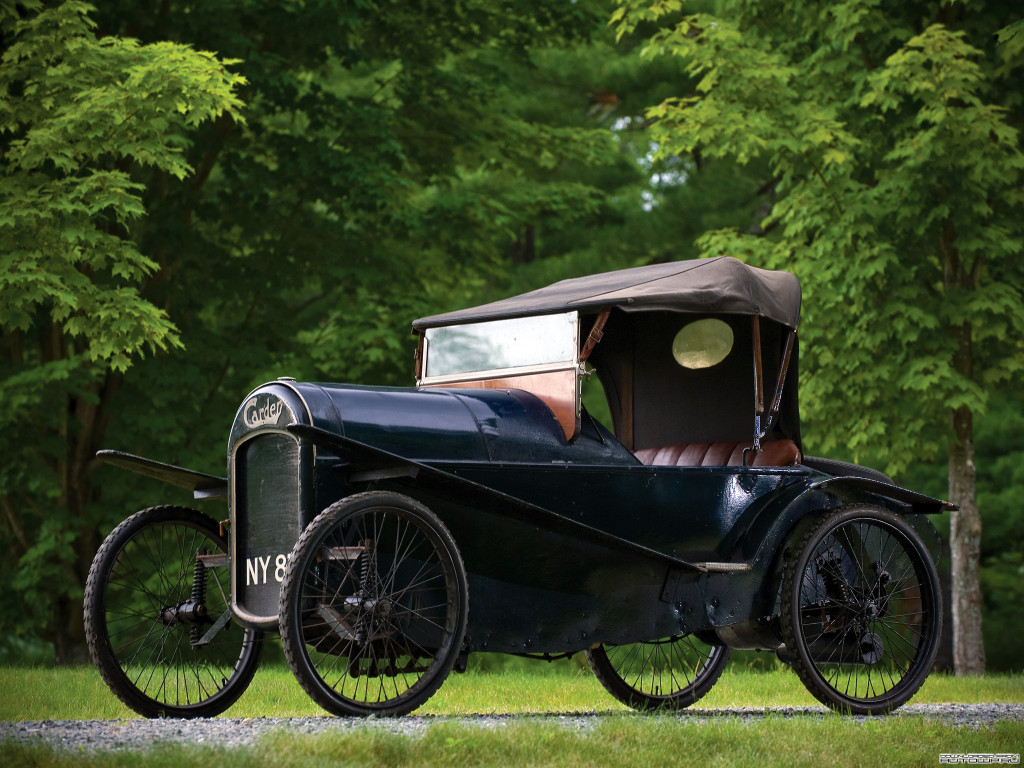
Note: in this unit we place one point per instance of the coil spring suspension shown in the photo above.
(198, 596)
(367, 587)
(837, 591)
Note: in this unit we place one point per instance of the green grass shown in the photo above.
(616, 740)
(62, 694)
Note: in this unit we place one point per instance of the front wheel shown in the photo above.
(861, 610)
(158, 618)
(670, 673)
(374, 605)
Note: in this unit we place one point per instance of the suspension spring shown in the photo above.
(198, 596)
(367, 584)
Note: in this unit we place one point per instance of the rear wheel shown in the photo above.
(861, 611)
(671, 673)
(157, 616)
(374, 605)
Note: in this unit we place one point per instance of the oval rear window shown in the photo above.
(702, 343)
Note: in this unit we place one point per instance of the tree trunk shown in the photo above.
(965, 523)
(77, 491)
(965, 549)
(522, 250)
(69, 644)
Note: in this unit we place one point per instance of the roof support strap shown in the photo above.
(758, 391)
(758, 369)
(783, 370)
(596, 334)
(761, 429)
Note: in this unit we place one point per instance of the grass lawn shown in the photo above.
(618, 738)
(61, 694)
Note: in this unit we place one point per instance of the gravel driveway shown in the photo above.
(134, 734)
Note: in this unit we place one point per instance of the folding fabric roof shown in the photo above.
(717, 285)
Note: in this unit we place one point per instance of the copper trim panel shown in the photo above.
(557, 389)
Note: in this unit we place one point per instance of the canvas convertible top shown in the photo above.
(716, 285)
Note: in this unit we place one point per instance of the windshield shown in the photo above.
(544, 342)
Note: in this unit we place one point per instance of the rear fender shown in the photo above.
(764, 541)
(767, 533)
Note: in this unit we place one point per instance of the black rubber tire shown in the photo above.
(861, 610)
(143, 571)
(374, 605)
(667, 674)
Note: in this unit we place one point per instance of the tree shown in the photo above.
(895, 162)
(645, 213)
(77, 115)
(395, 160)
(380, 174)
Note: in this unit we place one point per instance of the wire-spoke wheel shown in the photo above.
(158, 619)
(671, 673)
(374, 605)
(861, 611)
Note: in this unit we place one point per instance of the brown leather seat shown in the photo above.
(724, 453)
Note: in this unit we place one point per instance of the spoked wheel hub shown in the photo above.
(370, 606)
(184, 613)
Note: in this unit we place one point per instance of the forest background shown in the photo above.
(178, 226)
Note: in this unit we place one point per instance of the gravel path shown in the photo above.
(136, 734)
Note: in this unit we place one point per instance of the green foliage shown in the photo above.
(891, 137)
(897, 165)
(381, 174)
(75, 112)
(388, 166)
(78, 116)
(1000, 479)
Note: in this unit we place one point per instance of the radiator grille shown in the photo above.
(268, 519)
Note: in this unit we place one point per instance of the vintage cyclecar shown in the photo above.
(388, 533)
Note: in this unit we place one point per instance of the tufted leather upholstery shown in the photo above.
(778, 453)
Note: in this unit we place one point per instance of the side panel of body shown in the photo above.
(567, 593)
(542, 592)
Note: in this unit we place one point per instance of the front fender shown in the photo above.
(203, 486)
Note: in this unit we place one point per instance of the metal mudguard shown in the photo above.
(203, 486)
(763, 535)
